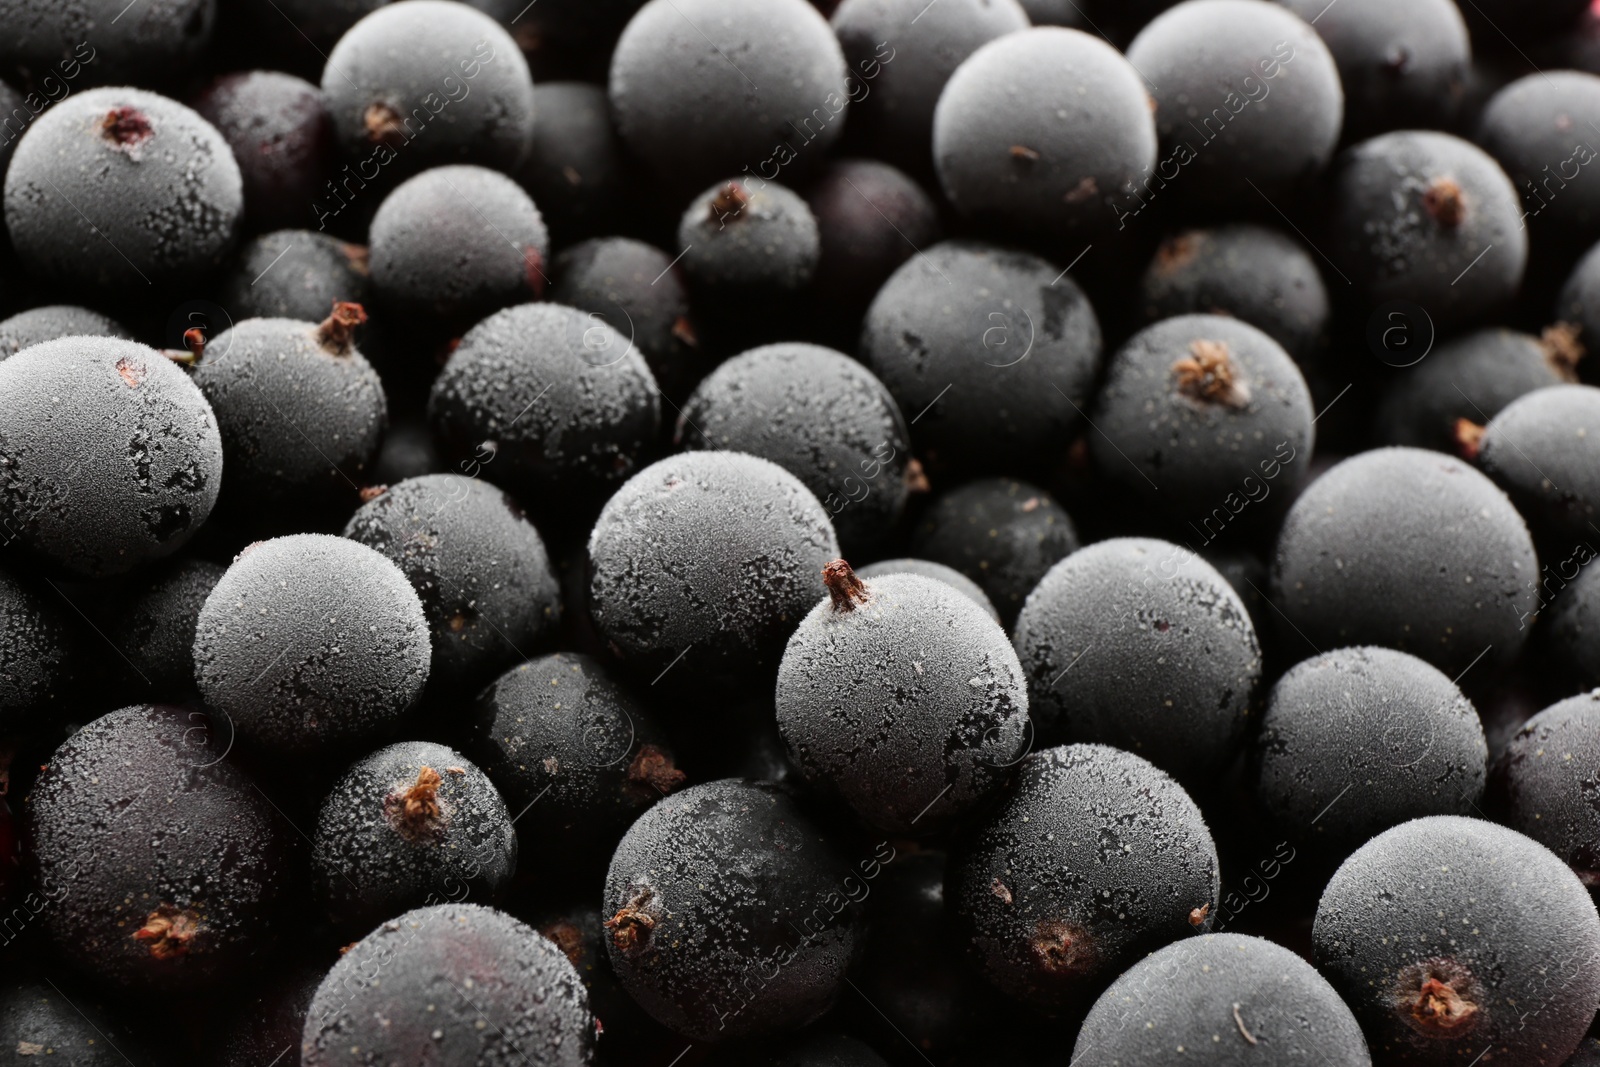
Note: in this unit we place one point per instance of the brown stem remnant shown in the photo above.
(1209, 374)
(1001, 891)
(1197, 916)
(684, 331)
(1441, 1008)
(1060, 948)
(654, 768)
(916, 477)
(126, 127)
(1438, 997)
(414, 810)
(384, 124)
(729, 202)
(1176, 252)
(632, 926)
(336, 333)
(194, 339)
(1469, 438)
(1562, 349)
(843, 586)
(373, 492)
(168, 931)
(1024, 153)
(359, 257)
(1445, 203)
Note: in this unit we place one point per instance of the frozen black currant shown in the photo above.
(819, 415)
(1448, 936)
(269, 1024)
(1001, 533)
(1407, 549)
(870, 218)
(579, 932)
(62, 43)
(720, 958)
(575, 170)
(903, 697)
(37, 1019)
(1569, 592)
(749, 236)
(37, 325)
(311, 641)
(294, 274)
(410, 824)
(450, 983)
(939, 573)
(1538, 450)
(38, 657)
(1534, 128)
(709, 558)
(1361, 739)
(137, 453)
(486, 583)
(1095, 858)
(1579, 305)
(1142, 644)
(991, 352)
(163, 863)
(301, 412)
(154, 622)
(278, 131)
(1225, 997)
(1543, 782)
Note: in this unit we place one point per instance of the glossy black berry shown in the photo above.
(903, 697)
(301, 412)
(94, 188)
(1538, 449)
(991, 352)
(137, 453)
(163, 863)
(1407, 549)
(697, 951)
(749, 236)
(576, 752)
(1141, 644)
(709, 558)
(701, 89)
(1200, 412)
(411, 824)
(1225, 997)
(1542, 783)
(37, 325)
(870, 218)
(479, 222)
(450, 983)
(1009, 164)
(486, 583)
(1095, 858)
(1257, 275)
(425, 83)
(311, 641)
(294, 274)
(999, 532)
(1410, 215)
(278, 131)
(939, 573)
(1447, 936)
(1361, 739)
(819, 415)
(408, 452)
(153, 623)
(575, 169)
(541, 397)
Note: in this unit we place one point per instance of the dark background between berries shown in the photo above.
(429, 429)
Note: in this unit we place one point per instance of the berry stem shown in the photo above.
(1562, 349)
(633, 924)
(168, 931)
(843, 586)
(336, 332)
(1469, 438)
(654, 768)
(1210, 375)
(415, 810)
(1445, 202)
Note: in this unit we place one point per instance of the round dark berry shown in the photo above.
(1141, 644)
(411, 824)
(269, 1024)
(1537, 449)
(154, 623)
(479, 222)
(1009, 163)
(1095, 859)
(1574, 617)
(575, 170)
(901, 54)
(450, 983)
(702, 88)
(1225, 997)
(708, 557)
(1201, 411)
(309, 641)
(294, 274)
(163, 863)
(1472, 377)
(1543, 781)
(408, 452)
(580, 933)
(1402, 66)
(1001, 533)
(749, 235)
(1212, 65)
(1411, 212)
(543, 398)
(1259, 276)
(870, 219)
(424, 83)
(939, 573)
(1361, 739)
(117, 190)
(275, 124)
(1528, 127)
(992, 353)
(574, 750)
(37, 325)
(1447, 936)
(1579, 305)
(486, 583)
(564, 38)
(696, 950)
(37, 657)
(93, 42)
(301, 412)
(136, 453)
(1407, 549)
(819, 415)
(39, 1020)
(904, 698)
